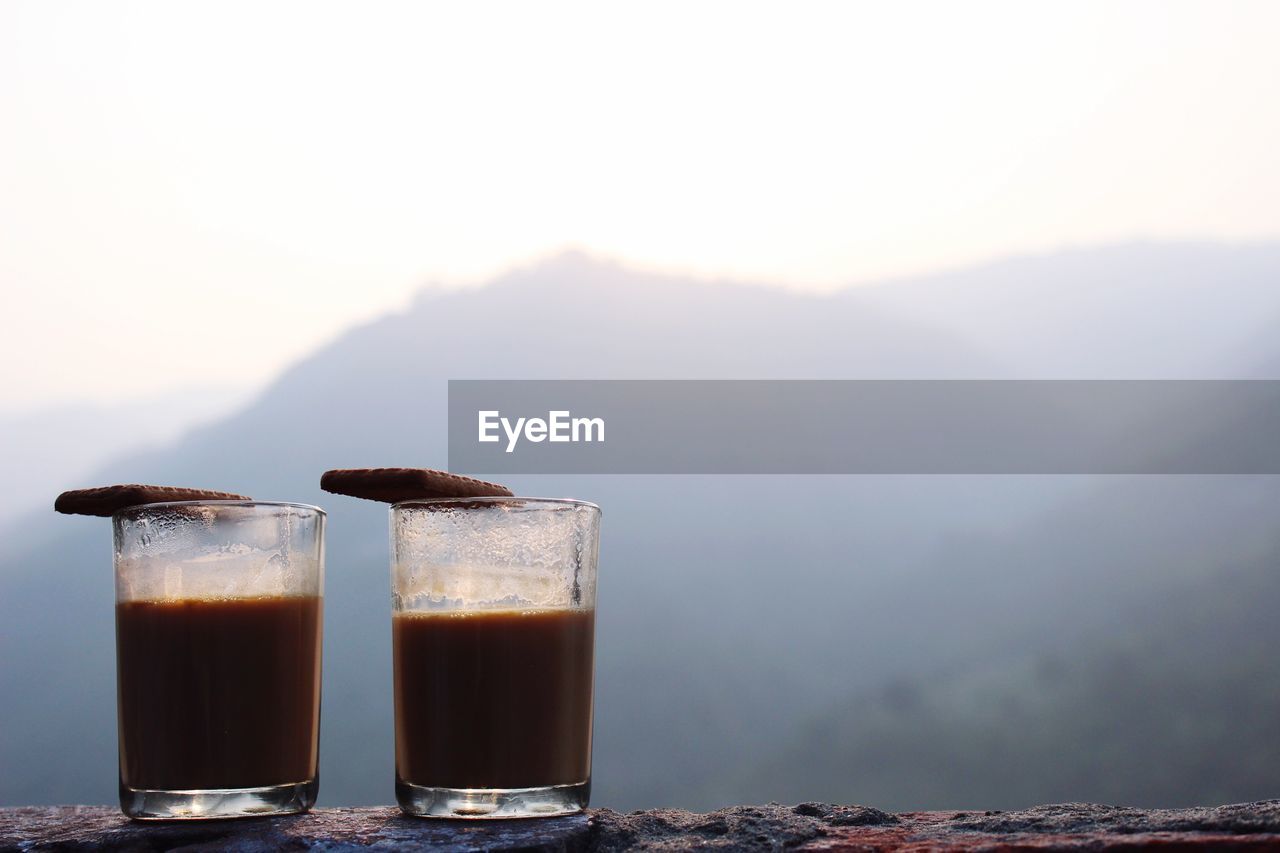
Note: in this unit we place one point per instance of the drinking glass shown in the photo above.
(218, 627)
(493, 626)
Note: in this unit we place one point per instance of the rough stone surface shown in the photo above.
(100, 828)
(808, 826)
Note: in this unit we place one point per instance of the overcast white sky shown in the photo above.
(177, 175)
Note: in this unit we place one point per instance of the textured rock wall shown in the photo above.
(809, 826)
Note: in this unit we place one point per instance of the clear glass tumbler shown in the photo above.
(218, 627)
(493, 633)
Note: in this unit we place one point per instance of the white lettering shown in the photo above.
(587, 424)
(487, 424)
(560, 426)
(513, 435)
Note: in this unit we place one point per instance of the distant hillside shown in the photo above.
(43, 449)
(1175, 707)
(376, 396)
(727, 610)
(1131, 311)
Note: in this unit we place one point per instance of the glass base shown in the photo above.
(142, 804)
(489, 803)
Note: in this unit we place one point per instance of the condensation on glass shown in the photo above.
(493, 628)
(218, 630)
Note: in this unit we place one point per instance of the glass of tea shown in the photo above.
(218, 626)
(493, 628)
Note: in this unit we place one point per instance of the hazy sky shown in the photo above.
(178, 176)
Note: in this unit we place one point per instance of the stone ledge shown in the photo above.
(809, 826)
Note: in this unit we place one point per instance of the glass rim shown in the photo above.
(220, 503)
(495, 500)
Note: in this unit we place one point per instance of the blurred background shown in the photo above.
(241, 243)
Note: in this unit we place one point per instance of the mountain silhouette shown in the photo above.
(730, 615)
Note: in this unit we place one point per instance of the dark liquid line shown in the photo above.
(493, 700)
(218, 693)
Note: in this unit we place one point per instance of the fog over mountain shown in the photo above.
(741, 631)
(1131, 311)
(44, 448)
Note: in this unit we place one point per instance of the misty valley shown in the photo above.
(898, 641)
